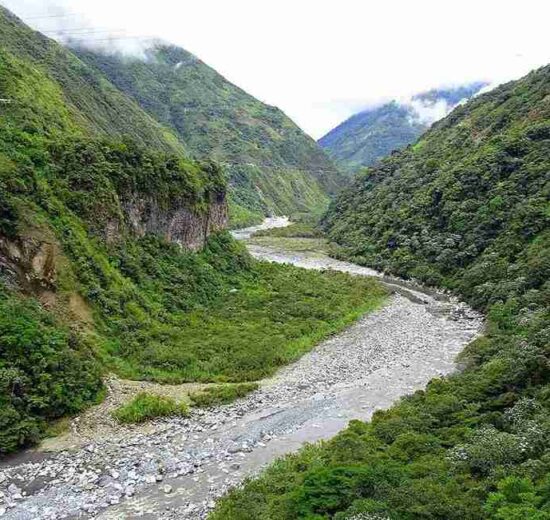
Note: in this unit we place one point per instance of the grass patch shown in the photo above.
(298, 245)
(58, 427)
(296, 229)
(222, 394)
(147, 406)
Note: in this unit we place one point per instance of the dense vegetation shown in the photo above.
(83, 290)
(370, 135)
(467, 208)
(47, 370)
(274, 167)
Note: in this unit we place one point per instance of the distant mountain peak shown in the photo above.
(368, 136)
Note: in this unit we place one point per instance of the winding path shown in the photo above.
(177, 468)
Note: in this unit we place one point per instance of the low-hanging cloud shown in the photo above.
(429, 112)
(76, 30)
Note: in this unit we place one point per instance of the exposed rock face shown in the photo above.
(176, 223)
(29, 262)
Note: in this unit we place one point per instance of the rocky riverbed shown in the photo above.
(175, 469)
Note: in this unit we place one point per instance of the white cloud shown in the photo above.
(302, 55)
(428, 113)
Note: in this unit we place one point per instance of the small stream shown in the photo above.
(178, 470)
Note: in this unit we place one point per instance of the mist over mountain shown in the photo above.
(368, 136)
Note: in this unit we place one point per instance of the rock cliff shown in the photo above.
(178, 223)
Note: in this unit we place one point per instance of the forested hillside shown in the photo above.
(465, 208)
(113, 255)
(367, 137)
(274, 167)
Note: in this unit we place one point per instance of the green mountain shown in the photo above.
(274, 167)
(113, 254)
(462, 204)
(366, 137)
(466, 208)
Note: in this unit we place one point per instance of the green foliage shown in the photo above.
(294, 230)
(468, 210)
(518, 499)
(146, 406)
(46, 371)
(241, 217)
(221, 394)
(274, 167)
(367, 137)
(243, 321)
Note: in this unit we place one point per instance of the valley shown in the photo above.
(176, 468)
(207, 313)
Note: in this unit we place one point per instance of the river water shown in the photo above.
(177, 468)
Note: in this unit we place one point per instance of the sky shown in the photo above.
(321, 61)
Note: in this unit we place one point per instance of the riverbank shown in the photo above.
(177, 469)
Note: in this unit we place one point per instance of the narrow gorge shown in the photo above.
(173, 348)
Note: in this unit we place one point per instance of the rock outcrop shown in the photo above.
(28, 262)
(178, 223)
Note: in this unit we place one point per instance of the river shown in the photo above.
(178, 467)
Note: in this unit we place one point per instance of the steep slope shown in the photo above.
(93, 104)
(274, 167)
(366, 137)
(465, 202)
(467, 208)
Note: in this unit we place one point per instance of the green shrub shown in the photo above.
(46, 371)
(221, 394)
(145, 407)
